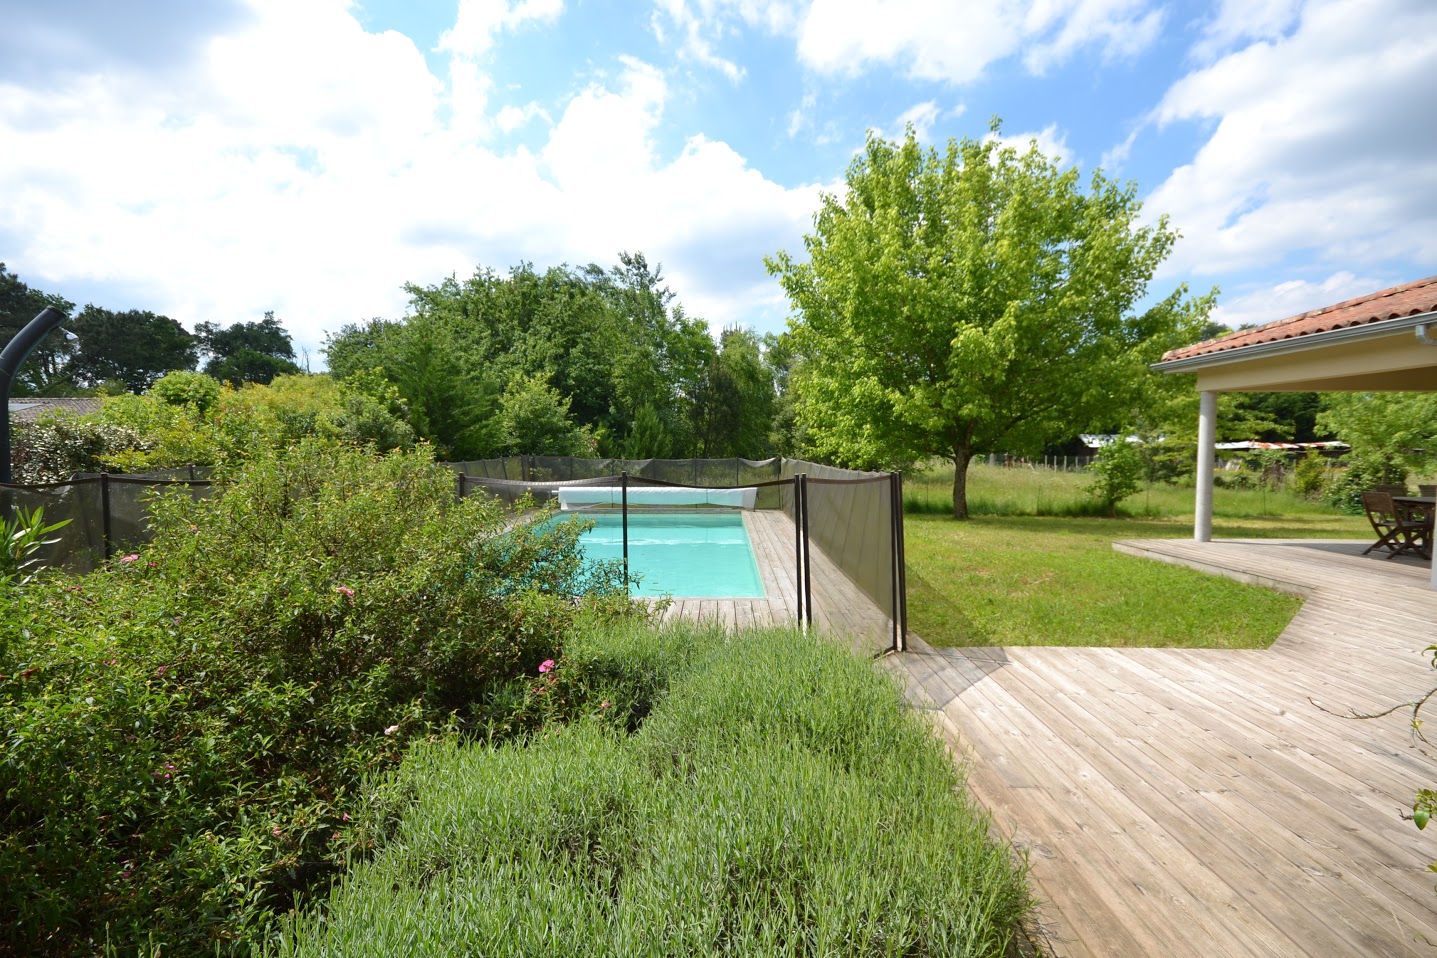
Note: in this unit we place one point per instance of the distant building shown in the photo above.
(30, 408)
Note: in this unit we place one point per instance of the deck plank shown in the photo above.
(1196, 803)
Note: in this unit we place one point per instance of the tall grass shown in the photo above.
(1027, 491)
(779, 800)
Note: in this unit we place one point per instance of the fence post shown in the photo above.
(807, 597)
(797, 552)
(902, 560)
(460, 483)
(624, 486)
(105, 512)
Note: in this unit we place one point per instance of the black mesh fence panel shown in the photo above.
(853, 516)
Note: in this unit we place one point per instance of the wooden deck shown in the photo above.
(839, 608)
(1198, 803)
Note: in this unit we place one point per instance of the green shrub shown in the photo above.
(1116, 474)
(779, 800)
(1309, 476)
(188, 733)
(182, 388)
(1361, 475)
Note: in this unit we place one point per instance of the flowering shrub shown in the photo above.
(191, 735)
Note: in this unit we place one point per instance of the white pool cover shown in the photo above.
(571, 497)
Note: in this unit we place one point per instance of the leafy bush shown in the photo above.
(1117, 473)
(779, 800)
(58, 445)
(188, 733)
(181, 388)
(20, 538)
(1363, 472)
(1309, 476)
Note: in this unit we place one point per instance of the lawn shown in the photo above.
(1026, 571)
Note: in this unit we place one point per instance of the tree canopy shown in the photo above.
(973, 300)
(254, 352)
(588, 359)
(135, 347)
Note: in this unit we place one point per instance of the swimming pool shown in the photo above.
(703, 554)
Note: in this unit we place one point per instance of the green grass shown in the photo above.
(778, 800)
(996, 491)
(1029, 569)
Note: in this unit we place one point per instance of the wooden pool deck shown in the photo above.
(1187, 803)
(839, 609)
(1200, 802)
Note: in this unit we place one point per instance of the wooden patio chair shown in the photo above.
(1391, 488)
(1427, 491)
(1402, 529)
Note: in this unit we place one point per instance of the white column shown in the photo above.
(1206, 451)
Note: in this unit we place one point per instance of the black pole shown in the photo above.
(624, 486)
(192, 472)
(105, 510)
(807, 564)
(12, 357)
(460, 483)
(893, 549)
(903, 576)
(797, 553)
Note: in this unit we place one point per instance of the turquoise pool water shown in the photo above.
(680, 553)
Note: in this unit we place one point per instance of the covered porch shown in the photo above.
(1383, 342)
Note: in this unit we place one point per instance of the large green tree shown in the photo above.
(1398, 428)
(972, 300)
(135, 347)
(247, 352)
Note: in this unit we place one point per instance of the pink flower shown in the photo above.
(160, 670)
(344, 817)
(130, 558)
(274, 831)
(604, 704)
(347, 592)
(546, 666)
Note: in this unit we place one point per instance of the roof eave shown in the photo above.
(1222, 357)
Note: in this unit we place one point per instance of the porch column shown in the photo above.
(1206, 451)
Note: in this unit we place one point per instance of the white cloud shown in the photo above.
(511, 118)
(1266, 304)
(479, 21)
(310, 167)
(1049, 140)
(1237, 21)
(1318, 146)
(952, 42)
(955, 42)
(921, 116)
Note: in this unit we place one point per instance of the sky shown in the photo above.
(214, 161)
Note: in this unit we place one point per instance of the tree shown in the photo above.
(973, 300)
(1396, 428)
(44, 371)
(247, 352)
(135, 347)
(536, 421)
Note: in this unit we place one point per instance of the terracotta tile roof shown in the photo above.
(30, 408)
(1411, 299)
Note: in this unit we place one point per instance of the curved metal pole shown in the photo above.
(11, 359)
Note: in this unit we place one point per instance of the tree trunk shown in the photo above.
(961, 456)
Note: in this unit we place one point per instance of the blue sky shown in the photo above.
(213, 161)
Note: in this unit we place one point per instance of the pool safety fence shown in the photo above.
(854, 518)
(107, 512)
